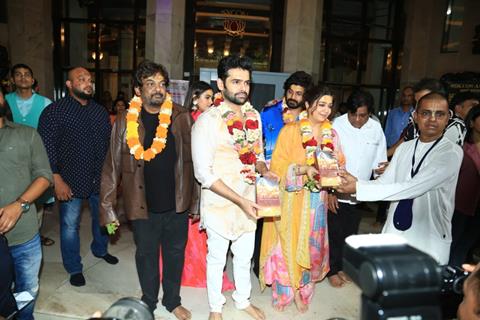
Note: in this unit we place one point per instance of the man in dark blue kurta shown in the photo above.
(76, 133)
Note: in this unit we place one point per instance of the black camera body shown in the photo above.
(396, 279)
(452, 280)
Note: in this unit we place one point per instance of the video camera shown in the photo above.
(399, 281)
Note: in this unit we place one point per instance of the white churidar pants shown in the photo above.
(242, 249)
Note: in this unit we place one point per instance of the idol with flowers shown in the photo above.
(227, 155)
(294, 251)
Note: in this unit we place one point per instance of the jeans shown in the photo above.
(26, 261)
(166, 232)
(70, 212)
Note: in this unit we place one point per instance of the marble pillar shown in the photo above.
(30, 39)
(165, 34)
(302, 36)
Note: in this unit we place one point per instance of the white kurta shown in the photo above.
(214, 157)
(433, 189)
(364, 148)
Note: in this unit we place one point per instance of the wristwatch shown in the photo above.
(24, 204)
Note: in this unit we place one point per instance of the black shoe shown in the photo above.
(77, 280)
(109, 258)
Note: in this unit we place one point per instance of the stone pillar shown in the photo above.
(302, 37)
(165, 34)
(30, 39)
(422, 56)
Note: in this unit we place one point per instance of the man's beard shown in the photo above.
(235, 98)
(82, 95)
(155, 100)
(294, 104)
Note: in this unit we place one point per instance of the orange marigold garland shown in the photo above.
(160, 139)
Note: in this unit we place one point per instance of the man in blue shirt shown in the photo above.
(397, 118)
(76, 133)
(279, 112)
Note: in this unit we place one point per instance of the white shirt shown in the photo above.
(433, 191)
(214, 157)
(363, 148)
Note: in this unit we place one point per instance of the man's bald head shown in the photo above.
(72, 73)
(80, 84)
(438, 97)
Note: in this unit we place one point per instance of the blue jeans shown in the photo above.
(70, 212)
(26, 261)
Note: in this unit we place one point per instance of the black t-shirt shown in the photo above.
(159, 173)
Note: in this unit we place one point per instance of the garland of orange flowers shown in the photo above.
(247, 141)
(160, 139)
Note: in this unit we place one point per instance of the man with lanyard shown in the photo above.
(420, 181)
(274, 116)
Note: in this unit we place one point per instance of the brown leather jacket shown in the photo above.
(121, 166)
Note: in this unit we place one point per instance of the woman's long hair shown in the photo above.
(473, 114)
(195, 90)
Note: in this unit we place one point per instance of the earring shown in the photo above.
(194, 107)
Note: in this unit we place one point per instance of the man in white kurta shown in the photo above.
(432, 188)
(227, 207)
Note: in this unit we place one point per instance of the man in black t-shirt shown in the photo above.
(150, 154)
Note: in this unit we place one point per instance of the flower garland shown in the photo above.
(246, 140)
(310, 143)
(160, 139)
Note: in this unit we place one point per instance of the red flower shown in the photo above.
(310, 143)
(329, 145)
(217, 101)
(251, 124)
(248, 158)
(236, 125)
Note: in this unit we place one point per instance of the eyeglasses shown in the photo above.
(427, 114)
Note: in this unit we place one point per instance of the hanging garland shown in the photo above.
(246, 137)
(160, 139)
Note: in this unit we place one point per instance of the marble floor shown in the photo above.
(107, 283)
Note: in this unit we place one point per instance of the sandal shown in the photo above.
(46, 241)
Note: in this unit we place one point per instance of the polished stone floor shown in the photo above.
(107, 283)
